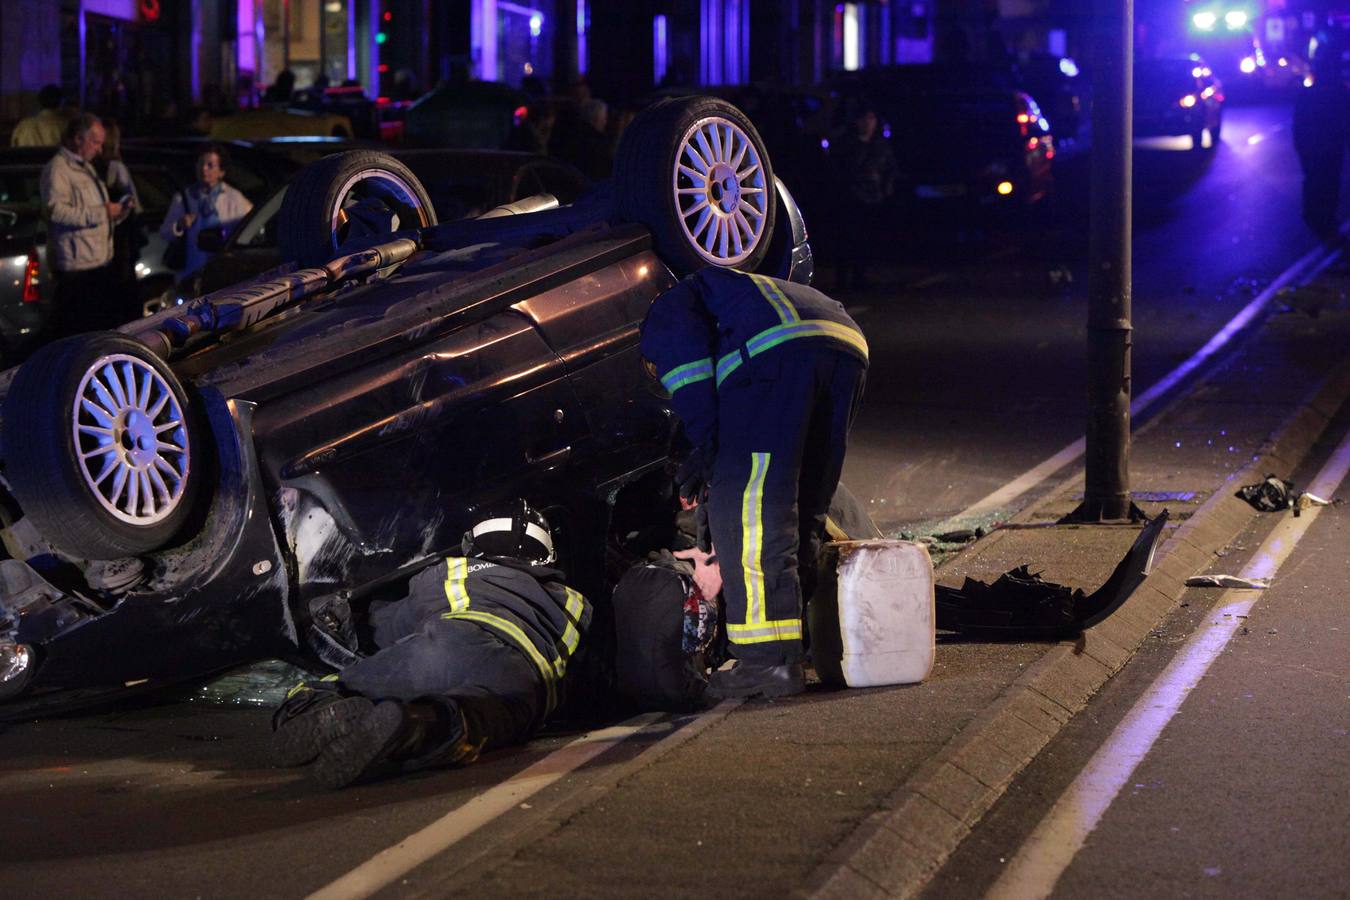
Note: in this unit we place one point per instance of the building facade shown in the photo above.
(140, 59)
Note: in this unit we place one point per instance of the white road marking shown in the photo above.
(931, 280)
(1050, 849)
(390, 864)
(387, 865)
(1043, 470)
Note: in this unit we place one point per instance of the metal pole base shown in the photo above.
(1105, 511)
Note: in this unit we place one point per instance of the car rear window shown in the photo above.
(1169, 78)
(21, 187)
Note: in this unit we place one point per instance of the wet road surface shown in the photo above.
(978, 341)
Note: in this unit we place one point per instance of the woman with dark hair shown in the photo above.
(209, 203)
(127, 240)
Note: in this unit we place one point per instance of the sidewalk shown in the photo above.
(883, 784)
(1260, 412)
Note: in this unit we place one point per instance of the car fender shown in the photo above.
(219, 600)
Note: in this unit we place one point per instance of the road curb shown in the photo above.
(898, 849)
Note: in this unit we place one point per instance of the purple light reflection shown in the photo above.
(246, 51)
(660, 52)
(583, 26)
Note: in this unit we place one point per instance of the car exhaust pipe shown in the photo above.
(239, 307)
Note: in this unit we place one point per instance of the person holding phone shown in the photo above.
(209, 203)
(80, 221)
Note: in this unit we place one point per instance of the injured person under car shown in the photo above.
(473, 658)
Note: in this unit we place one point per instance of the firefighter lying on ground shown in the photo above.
(471, 659)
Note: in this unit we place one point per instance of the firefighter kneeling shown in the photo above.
(471, 659)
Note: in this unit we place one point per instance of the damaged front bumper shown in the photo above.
(1020, 605)
(71, 630)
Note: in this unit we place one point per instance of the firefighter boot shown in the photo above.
(298, 726)
(358, 736)
(747, 679)
(362, 738)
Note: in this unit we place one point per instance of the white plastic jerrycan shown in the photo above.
(873, 618)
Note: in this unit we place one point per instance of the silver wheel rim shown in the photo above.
(374, 186)
(131, 440)
(720, 191)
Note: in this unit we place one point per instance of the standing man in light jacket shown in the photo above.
(81, 217)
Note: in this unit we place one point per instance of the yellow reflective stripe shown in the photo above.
(576, 604)
(512, 630)
(304, 686)
(752, 537)
(456, 573)
(778, 334)
(781, 305)
(763, 632)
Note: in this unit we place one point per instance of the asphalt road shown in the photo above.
(978, 341)
(1244, 791)
(978, 358)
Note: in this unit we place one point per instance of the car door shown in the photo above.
(592, 322)
(386, 465)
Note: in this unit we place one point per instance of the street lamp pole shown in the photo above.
(1106, 495)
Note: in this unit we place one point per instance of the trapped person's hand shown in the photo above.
(707, 571)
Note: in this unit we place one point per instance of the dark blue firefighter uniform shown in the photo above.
(491, 639)
(766, 376)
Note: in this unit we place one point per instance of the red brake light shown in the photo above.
(31, 293)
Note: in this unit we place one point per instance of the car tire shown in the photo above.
(317, 215)
(82, 450)
(678, 171)
(1198, 140)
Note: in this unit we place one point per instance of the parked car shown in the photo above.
(460, 184)
(260, 124)
(380, 119)
(473, 115)
(25, 296)
(159, 169)
(226, 480)
(1060, 89)
(1178, 97)
(964, 137)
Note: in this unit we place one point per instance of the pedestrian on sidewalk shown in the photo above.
(766, 376)
(472, 659)
(46, 127)
(1321, 132)
(81, 218)
(864, 172)
(127, 239)
(208, 203)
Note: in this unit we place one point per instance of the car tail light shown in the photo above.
(31, 283)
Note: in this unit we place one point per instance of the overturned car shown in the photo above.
(204, 487)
